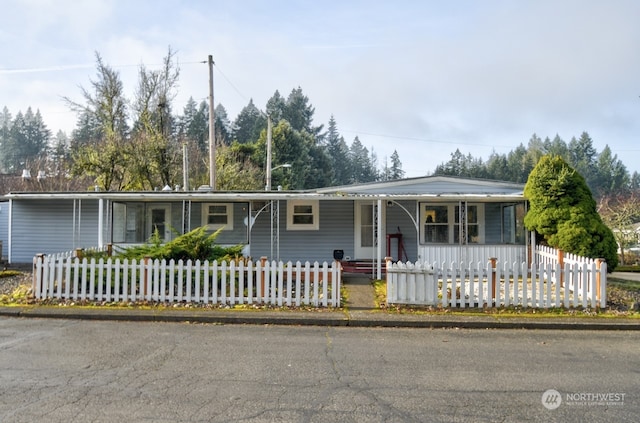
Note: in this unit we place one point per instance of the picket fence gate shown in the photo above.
(216, 283)
(476, 285)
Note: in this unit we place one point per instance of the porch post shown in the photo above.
(379, 246)
(533, 262)
(100, 222)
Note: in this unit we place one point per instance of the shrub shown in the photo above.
(194, 245)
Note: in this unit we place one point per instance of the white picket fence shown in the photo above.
(547, 255)
(221, 283)
(476, 285)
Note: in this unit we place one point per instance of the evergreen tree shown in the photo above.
(456, 166)
(557, 147)
(385, 174)
(519, 167)
(497, 167)
(299, 113)
(338, 153)
(288, 147)
(14, 157)
(222, 126)
(320, 169)
(362, 169)
(635, 181)
(582, 157)
(193, 125)
(105, 109)
(249, 124)
(105, 113)
(6, 144)
(60, 155)
(563, 211)
(157, 155)
(611, 174)
(88, 131)
(396, 166)
(27, 141)
(276, 107)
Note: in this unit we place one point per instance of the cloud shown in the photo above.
(423, 78)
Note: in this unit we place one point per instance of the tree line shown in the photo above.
(139, 142)
(603, 171)
(615, 191)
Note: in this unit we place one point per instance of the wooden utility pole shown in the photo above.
(268, 166)
(212, 130)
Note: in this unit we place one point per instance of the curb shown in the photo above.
(362, 319)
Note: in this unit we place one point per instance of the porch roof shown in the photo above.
(427, 188)
(228, 196)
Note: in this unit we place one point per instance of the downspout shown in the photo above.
(278, 233)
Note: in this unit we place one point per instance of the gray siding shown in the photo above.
(4, 227)
(239, 234)
(399, 219)
(47, 227)
(335, 233)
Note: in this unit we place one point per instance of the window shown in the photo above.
(470, 231)
(217, 215)
(513, 231)
(128, 223)
(455, 223)
(303, 215)
(436, 228)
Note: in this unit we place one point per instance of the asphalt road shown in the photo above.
(100, 371)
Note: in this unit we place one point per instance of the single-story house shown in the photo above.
(431, 218)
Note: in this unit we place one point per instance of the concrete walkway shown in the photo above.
(360, 293)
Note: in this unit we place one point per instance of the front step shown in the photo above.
(360, 266)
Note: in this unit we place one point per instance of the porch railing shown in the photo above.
(472, 253)
(216, 283)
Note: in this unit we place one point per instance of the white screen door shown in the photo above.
(366, 230)
(158, 218)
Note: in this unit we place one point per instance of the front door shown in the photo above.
(366, 229)
(159, 218)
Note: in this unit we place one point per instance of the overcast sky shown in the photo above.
(420, 77)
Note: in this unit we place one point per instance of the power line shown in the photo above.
(62, 68)
(231, 84)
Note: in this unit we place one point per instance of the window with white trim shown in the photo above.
(451, 223)
(303, 215)
(217, 215)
